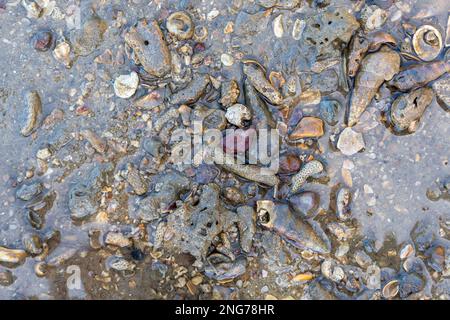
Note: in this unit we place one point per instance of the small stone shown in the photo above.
(350, 142)
(238, 114)
(308, 127)
(227, 60)
(42, 40)
(289, 163)
(125, 86)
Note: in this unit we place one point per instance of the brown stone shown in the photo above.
(308, 127)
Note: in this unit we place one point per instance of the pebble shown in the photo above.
(125, 86)
(308, 127)
(350, 142)
(42, 40)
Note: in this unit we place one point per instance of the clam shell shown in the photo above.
(390, 290)
(427, 42)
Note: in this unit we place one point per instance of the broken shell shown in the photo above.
(407, 251)
(427, 42)
(343, 200)
(34, 113)
(297, 30)
(62, 53)
(447, 37)
(180, 25)
(125, 86)
(13, 256)
(226, 59)
(407, 109)
(278, 29)
(279, 218)
(390, 290)
(238, 114)
(40, 269)
(200, 33)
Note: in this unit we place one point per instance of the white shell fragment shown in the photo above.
(226, 59)
(350, 142)
(278, 29)
(125, 86)
(238, 114)
(297, 30)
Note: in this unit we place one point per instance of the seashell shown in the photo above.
(447, 36)
(419, 75)
(119, 264)
(227, 60)
(262, 116)
(12, 256)
(306, 204)
(298, 28)
(200, 33)
(279, 218)
(277, 24)
(406, 110)
(238, 115)
(427, 42)
(256, 76)
(62, 53)
(309, 169)
(180, 25)
(407, 251)
(149, 47)
(376, 68)
(40, 269)
(32, 244)
(343, 201)
(34, 113)
(390, 290)
(125, 86)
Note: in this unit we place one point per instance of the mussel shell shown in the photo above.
(426, 50)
